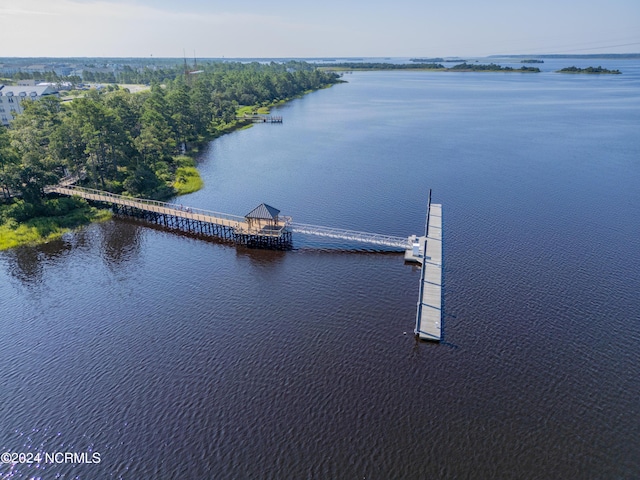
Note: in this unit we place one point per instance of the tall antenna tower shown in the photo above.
(188, 73)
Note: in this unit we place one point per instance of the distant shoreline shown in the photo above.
(432, 67)
(618, 56)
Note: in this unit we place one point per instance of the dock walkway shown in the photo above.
(429, 314)
(194, 220)
(260, 118)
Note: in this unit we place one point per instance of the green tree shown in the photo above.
(68, 146)
(30, 137)
(181, 114)
(142, 180)
(155, 141)
(9, 160)
(103, 135)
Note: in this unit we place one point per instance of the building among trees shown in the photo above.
(11, 98)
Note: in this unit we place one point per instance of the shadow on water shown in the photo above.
(26, 264)
(121, 240)
(348, 251)
(139, 223)
(421, 344)
(261, 256)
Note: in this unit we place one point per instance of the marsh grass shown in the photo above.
(188, 180)
(40, 230)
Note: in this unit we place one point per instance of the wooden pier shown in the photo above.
(258, 118)
(427, 250)
(263, 227)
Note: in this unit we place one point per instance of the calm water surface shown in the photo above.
(181, 358)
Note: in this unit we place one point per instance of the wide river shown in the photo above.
(173, 357)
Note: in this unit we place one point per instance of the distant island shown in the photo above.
(566, 55)
(589, 70)
(427, 60)
(531, 60)
(436, 60)
(492, 67)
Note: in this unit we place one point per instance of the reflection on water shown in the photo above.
(120, 241)
(27, 264)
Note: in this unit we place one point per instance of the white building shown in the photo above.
(58, 86)
(11, 98)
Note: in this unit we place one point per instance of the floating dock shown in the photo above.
(427, 250)
(259, 118)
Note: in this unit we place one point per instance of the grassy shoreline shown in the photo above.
(40, 230)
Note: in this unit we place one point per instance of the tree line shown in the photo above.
(147, 74)
(130, 143)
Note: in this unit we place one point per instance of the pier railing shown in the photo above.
(150, 205)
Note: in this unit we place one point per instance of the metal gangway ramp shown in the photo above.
(352, 235)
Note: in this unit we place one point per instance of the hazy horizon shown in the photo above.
(190, 58)
(287, 29)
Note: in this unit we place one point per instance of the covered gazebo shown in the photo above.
(264, 219)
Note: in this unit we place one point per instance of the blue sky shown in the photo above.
(323, 28)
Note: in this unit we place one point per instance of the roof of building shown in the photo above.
(263, 212)
(26, 90)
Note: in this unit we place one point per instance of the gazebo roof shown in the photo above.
(263, 212)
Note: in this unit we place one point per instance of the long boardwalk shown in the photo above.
(239, 229)
(223, 219)
(429, 314)
(187, 219)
